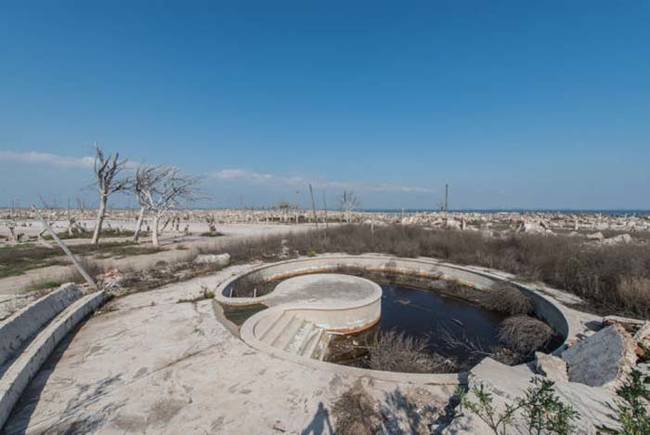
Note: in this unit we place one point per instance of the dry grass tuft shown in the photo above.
(395, 352)
(508, 300)
(524, 334)
(634, 292)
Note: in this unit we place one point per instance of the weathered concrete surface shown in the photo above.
(150, 364)
(602, 359)
(21, 326)
(329, 288)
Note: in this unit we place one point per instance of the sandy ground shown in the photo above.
(148, 364)
(15, 284)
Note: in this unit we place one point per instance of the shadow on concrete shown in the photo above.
(22, 412)
(319, 422)
(397, 405)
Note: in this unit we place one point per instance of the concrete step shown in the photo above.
(262, 334)
(276, 328)
(320, 352)
(310, 343)
(288, 333)
(295, 344)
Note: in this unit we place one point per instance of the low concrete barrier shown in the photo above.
(22, 370)
(23, 325)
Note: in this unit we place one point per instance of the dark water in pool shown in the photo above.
(425, 313)
(433, 316)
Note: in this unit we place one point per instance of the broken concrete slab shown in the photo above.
(551, 367)
(603, 359)
(631, 325)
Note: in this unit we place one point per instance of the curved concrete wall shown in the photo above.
(351, 311)
(23, 325)
(23, 369)
(342, 320)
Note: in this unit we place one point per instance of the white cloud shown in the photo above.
(47, 159)
(55, 160)
(252, 177)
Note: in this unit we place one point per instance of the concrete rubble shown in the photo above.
(603, 359)
(17, 226)
(551, 367)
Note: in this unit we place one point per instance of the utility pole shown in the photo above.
(446, 198)
(313, 205)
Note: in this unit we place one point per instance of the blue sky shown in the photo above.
(514, 104)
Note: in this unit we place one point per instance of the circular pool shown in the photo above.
(299, 302)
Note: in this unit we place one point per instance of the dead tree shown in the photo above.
(349, 202)
(108, 180)
(168, 189)
(212, 223)
(146, 180)
(75, 261)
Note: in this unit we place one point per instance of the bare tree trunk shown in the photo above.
(138, 225)
(154, 231)
(101, 214)
(65, 249)
(12, 231)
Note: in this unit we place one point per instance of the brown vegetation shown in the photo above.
(524, 334)
(506, 299)
(396, 352)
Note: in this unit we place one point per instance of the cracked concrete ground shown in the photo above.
(148, 364)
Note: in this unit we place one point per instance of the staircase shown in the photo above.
(292, 334)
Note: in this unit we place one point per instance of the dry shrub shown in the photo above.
(525, 334)
(356, 412)
(634, 293)
(508, 300)
(395, 352)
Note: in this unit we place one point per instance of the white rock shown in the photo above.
(596, 236)
(617, 240)
(221, 260)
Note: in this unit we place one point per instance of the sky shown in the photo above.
(513, 104)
